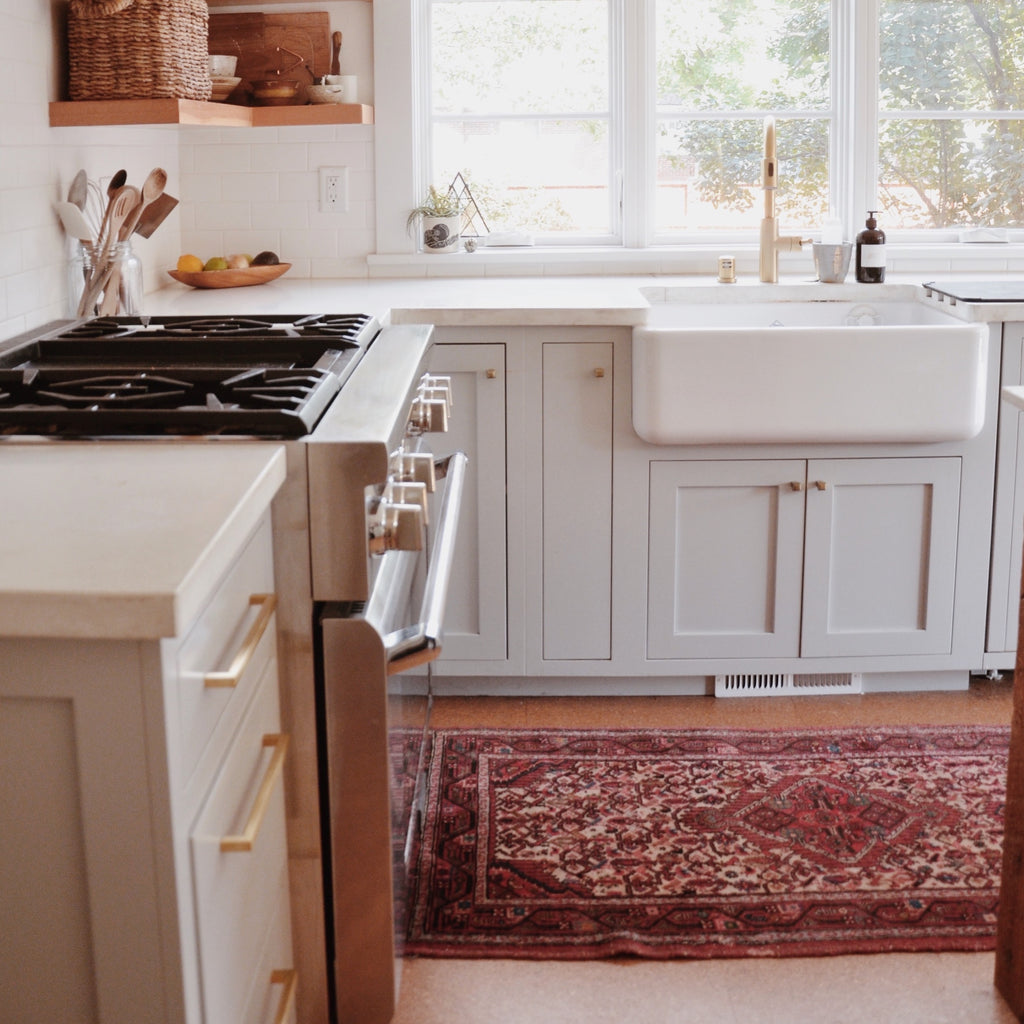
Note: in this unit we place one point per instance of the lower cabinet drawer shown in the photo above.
(239, 868)
(222, 657)
(272, 998)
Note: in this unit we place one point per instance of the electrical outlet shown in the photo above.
(333, 189)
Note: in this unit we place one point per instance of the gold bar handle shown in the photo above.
(243, 842)
(240, 662)
(289, 977)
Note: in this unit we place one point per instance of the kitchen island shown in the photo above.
(138, 690)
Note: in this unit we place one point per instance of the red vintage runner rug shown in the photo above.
(709, 843)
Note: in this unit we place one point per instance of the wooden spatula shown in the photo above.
(154, 214)
(336, 53)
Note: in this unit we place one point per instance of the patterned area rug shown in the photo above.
(725, 843)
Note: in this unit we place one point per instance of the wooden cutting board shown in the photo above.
(255, 38)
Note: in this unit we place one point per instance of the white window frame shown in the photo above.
(400, 46)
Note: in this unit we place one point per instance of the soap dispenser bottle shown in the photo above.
(871, 252)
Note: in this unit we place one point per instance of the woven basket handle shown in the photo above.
(101, 7)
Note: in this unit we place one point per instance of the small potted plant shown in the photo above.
(440, 221)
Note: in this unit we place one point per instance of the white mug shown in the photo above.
(348, 83)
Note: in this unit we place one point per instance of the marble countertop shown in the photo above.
(540, 301)
(123, 540)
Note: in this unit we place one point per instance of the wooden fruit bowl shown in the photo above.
(229, 278)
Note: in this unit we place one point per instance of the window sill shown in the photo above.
(540, 261)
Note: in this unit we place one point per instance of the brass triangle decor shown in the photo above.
(473, 223)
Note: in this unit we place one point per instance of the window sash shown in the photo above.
(854, 115)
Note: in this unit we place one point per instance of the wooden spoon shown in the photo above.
(114, 185)
(124, 200)
(152, 188)
(336, 53)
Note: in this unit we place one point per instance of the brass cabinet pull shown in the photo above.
(821, 485)
(598, 371)
(241, 660)
(796, 485)
(289, 977)
(491, 374)
(242, 843)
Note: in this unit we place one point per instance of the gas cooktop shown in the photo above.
(268, 376)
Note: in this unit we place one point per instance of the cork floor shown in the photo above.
(906, 988)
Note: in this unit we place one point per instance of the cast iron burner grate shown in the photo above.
(345, 328)
(266, 376)
(268, 402)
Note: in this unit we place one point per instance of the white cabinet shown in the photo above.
(816, 558)
(121, 762)
(476, 618)
(576, 458)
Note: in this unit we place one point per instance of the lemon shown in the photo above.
(189, 264)
(216, 263)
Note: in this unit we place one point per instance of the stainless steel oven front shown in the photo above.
(379, 592)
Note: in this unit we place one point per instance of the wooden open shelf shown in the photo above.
(199, 112)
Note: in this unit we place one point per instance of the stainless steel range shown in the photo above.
(364, 533)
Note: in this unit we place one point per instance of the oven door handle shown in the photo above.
(421, 642)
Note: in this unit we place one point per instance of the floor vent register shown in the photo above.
(787, 684)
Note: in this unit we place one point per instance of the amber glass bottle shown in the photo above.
(871, 252)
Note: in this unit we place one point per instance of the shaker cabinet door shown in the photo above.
(577, 474)
(726, 549)
(881, 553)
(476, 617)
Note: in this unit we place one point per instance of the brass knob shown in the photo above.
(491, 374)
(821, 485)
(598, 371)
(796, 485)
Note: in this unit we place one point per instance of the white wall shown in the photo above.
(239, 190)
(37, 163)
(244, 190)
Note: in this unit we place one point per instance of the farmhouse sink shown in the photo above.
(790, 372)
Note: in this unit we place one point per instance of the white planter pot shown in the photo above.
(441, 234)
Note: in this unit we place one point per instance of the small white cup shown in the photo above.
(222, 65)
(349, 86)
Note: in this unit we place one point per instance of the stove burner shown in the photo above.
(115, 389)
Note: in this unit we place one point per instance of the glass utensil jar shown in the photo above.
(107, 285)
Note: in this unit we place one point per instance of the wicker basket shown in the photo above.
(138, 49)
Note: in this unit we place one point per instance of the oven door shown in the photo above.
(374, 728)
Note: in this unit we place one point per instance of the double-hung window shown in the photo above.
(640, 122)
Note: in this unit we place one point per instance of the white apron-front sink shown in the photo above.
(793, 372)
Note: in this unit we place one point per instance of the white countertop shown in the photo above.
(541, 301)
(474, 302)
(123, 540)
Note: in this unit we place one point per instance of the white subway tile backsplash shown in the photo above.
(288, 215)
(275, 156)
(222, 159)
(278, 179)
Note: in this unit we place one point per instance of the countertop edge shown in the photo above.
(142, 612)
